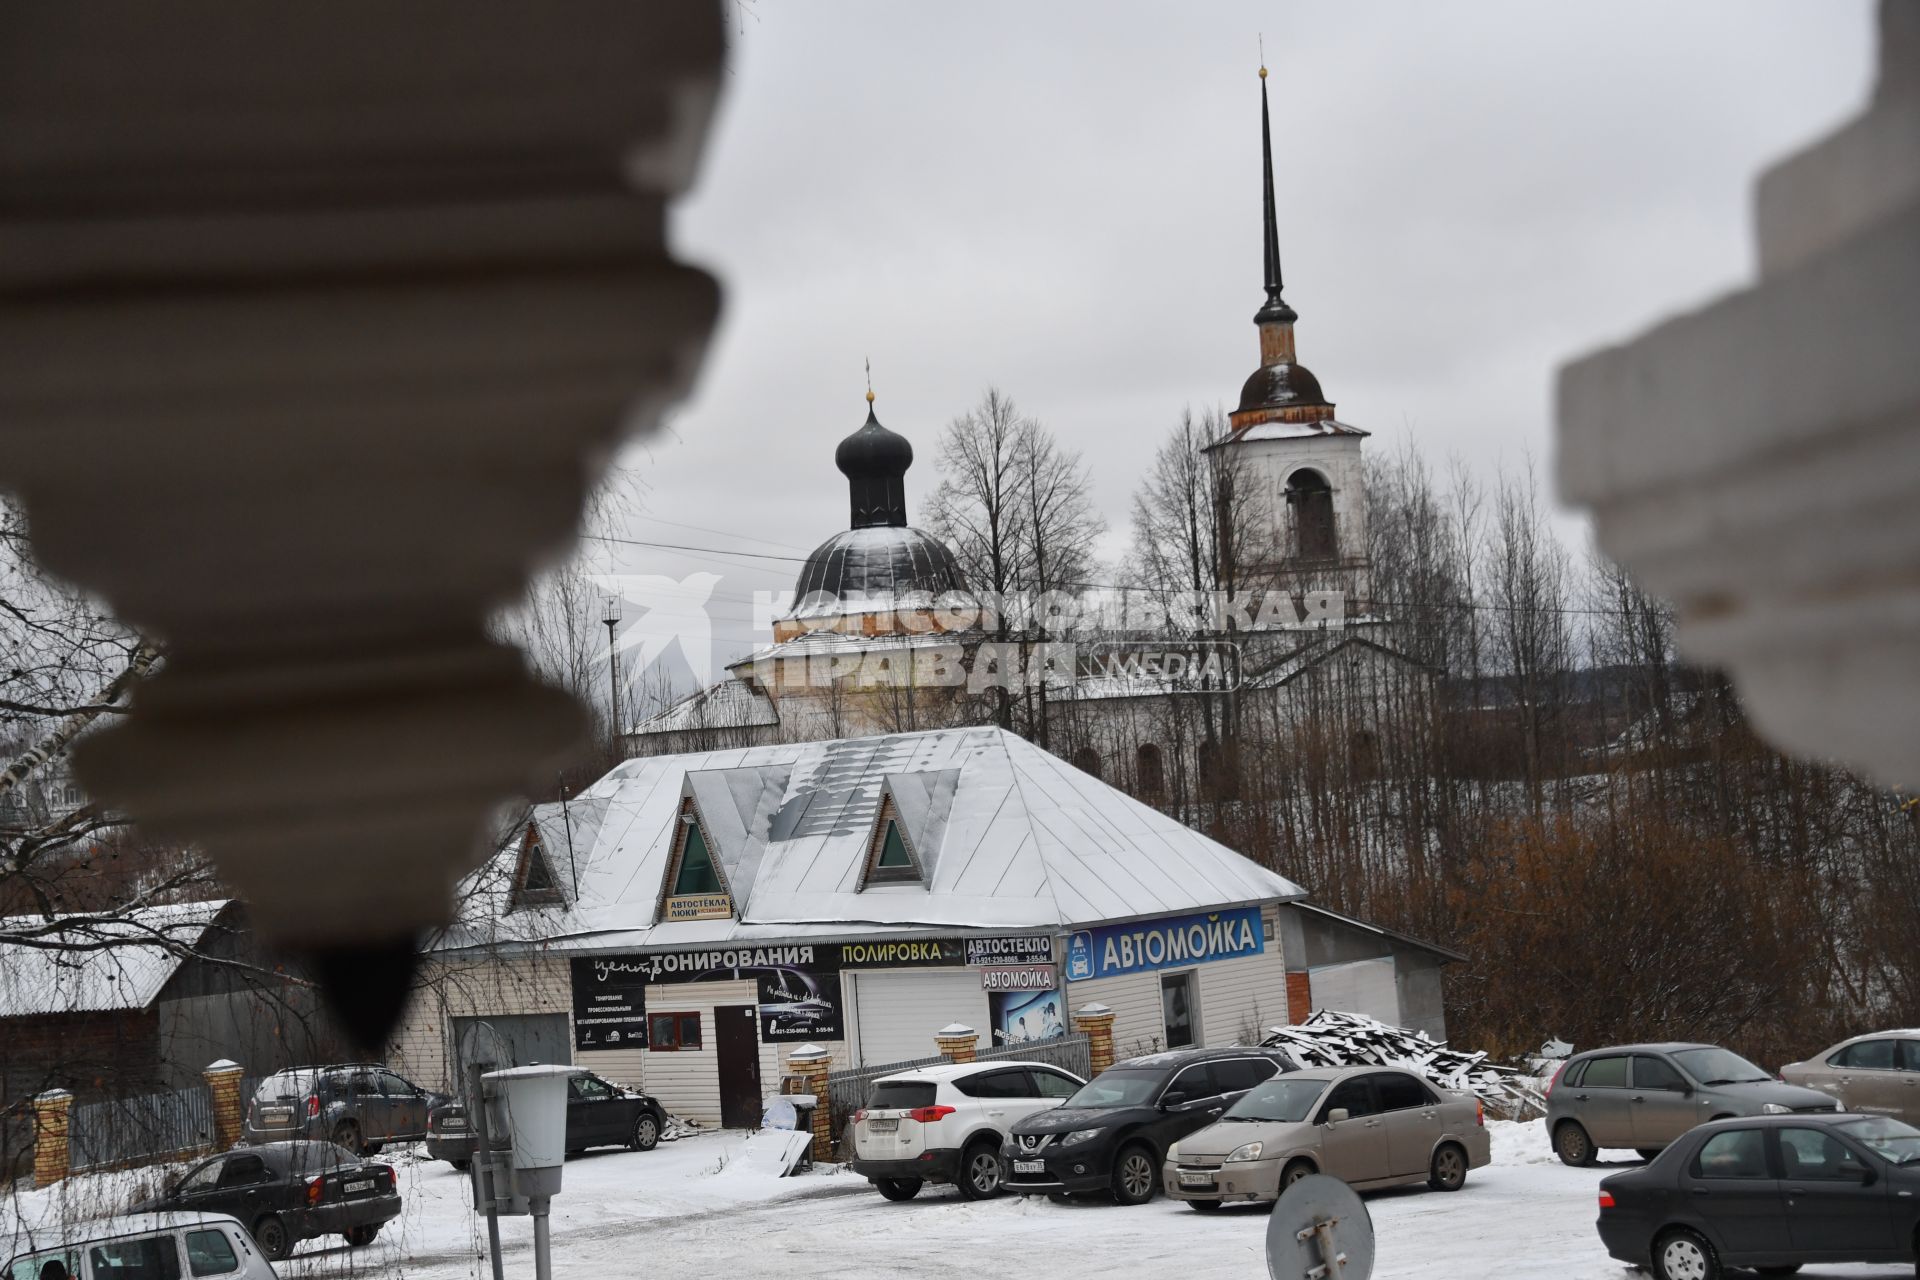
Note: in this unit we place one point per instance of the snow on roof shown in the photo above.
(730, 704)
(145, 947)
(1289, 431)
(1010, 837)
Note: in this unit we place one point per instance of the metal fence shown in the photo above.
(847, 1090)
(126, 1131)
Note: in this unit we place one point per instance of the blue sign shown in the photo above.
(1163, 944)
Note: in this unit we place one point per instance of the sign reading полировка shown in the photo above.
(1163, 944)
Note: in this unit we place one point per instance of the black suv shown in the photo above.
(1113, 1135)
(359, 1106)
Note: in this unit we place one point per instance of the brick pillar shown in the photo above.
(956, 1043)
(1299, 997)
(1095, 1022)
(223, 1077)
(50, 1159)
(812, 1063)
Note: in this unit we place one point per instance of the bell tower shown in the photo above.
(1300, 467)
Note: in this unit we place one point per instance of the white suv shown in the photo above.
(946, 1123)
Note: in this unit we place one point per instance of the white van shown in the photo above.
(146, 1246)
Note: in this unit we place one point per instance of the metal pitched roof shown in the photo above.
(1009, 837)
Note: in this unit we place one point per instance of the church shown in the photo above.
(884, 636)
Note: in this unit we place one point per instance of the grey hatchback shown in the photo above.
(1644, 1096)
(359, 1106)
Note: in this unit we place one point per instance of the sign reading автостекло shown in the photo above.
(1164, 943)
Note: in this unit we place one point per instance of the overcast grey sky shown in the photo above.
(1063, 200)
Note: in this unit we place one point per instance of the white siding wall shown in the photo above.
(1135, 1000)
(686, 1081)
(900, 1010)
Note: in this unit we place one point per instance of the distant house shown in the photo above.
(143, 1001)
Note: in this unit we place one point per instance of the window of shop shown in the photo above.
(696, 873)
(1177, 1006)
(667, 1032)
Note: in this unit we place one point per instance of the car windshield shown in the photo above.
(1718, 1066)
(1887, 1137)
(1119, 1089)
(1280, 1099)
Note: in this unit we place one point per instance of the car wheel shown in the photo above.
(1449, 1169)
(271, 1235)
(1204, 1206)
(1293, 1173)
(347, 1134)
(372, 1148)
(1135, 1176)
(360, 1237)
(980, 1172)
(461, 1166)
(646, 1133)
(1647, 1153)
(898, 1188)
(1684, 1255)
(1571, 1144)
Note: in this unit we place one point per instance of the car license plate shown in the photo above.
(1029, 1166)
(1195, 1178)
(449, 1126)
(275, 1115)
(355, 1188)
(883, 1126)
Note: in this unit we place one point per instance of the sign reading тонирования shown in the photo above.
(1164, 943)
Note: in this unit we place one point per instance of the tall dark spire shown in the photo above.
(1275, 308)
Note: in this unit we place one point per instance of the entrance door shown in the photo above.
(1177, 1009)
(736, 1035)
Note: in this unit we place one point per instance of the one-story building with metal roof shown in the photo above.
(680, 920)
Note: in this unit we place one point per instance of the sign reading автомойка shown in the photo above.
(1162, 944)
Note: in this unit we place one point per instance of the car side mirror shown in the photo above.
(1680, 1087)
(1857, 1173)
(1336, 1115)
(1174, 1098)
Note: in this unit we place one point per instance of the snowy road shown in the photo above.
(688, 1209)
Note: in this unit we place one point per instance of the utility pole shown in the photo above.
(611, 616)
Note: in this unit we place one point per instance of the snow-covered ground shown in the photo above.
(690, 1208)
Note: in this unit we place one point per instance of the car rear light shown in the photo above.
(1480, 1113)
(1556, 1078)
(313, 1105)
(860, 1115)
(927, 1115)
(386, 1175)
(1606, 1199)
(315, 1188)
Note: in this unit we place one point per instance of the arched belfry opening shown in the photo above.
(1310, 505)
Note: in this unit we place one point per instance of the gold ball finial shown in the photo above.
(869, 395)
(1263, 73)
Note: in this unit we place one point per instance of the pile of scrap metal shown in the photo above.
(1329, 1038)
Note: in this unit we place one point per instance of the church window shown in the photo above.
(1087, 760)
(1148, 773)
(1310, 499)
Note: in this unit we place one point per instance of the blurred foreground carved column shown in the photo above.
(317, 323)
(1758, 461)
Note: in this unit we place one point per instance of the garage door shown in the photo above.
(513, 1040)
(899, 1012)
(1361, 986)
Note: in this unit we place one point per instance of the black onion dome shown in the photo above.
(1281, 386)
(873, 451)
(885, 561)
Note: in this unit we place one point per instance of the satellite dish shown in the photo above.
(1320, 1230)
(779, 1114)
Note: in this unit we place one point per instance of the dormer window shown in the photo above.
(890, 857)
(695, 888)
(533, 881)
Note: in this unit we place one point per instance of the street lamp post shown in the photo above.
(610, 615)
